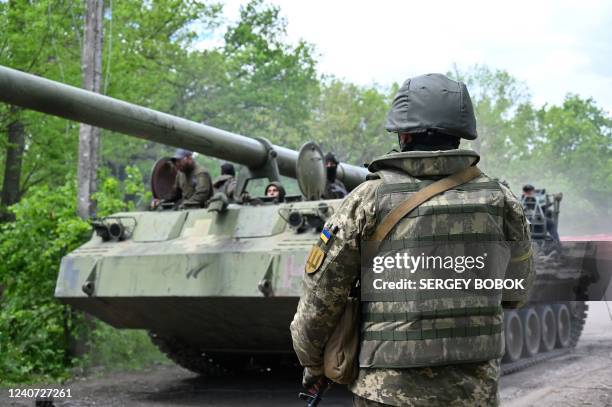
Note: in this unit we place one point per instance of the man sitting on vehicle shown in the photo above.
(192, 186)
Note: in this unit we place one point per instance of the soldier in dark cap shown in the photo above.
(193, 186)
(226, 182)
(334, 188)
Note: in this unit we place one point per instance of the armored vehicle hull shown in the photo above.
(205, 285)
(219, 282)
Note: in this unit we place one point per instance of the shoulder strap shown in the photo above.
(421, 196)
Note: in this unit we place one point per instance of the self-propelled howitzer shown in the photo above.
(213, 287)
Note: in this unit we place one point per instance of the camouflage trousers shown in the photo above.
(472, 384)
(361, 402)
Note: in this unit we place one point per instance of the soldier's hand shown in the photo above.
(245, 197)
(313, 382)
(155, 203)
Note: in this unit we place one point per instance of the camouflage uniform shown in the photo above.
(326, 289)
(193, 189)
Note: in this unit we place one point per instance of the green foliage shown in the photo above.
(272, 84)
(35, 329)
(115, 196)
(565, 148)
(257, 84)
(146, 47)
(41, 37)
(349, 120)
(33, 325)
(120, 349)
(497, 97)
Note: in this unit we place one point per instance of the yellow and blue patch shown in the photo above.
(325, 235)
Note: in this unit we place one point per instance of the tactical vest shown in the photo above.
(414, 329)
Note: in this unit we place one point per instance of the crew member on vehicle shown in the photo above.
(334, 188)
(529, 191)
(275, 190)
(226, 182)
(192, 186)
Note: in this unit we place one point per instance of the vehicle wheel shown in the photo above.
(513, 334)
(549, 327)
(531, 331)
(564, 325)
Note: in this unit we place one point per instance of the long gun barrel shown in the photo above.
(58, 99)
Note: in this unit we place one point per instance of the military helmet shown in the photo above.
(433, 103)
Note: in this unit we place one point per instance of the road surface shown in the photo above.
(581, 378)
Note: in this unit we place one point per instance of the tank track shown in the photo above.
(188, 357)
(221, 364)
(578, 318)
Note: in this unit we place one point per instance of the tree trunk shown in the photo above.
(11, 190)
(91, 68)
(89, 137)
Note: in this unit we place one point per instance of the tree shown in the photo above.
(349, 120)
(572, 150)
(37, 330)
(144, 41)
(89, 136)
(146, 61)
(14, 156)
(37, 37)
(497, 98)
(565, 148)
(256, 84)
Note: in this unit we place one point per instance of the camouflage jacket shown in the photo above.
(325, 292)
(192, 189)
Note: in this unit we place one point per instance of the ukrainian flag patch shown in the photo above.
(325, 235)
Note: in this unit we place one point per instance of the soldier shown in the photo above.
(529, 191)
(430, 114)
(192, 187)
(334, 188)
(275, 190)
(226, 182)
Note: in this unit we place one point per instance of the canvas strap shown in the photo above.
(425, 194)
